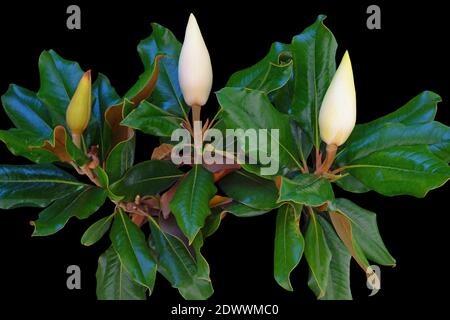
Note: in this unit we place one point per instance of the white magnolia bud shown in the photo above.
(194, 67)
(337, 115)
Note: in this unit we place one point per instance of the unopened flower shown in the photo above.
(194, 67)
(337, 115)
(79, 110)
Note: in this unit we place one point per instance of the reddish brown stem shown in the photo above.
(198, 133)
(85, 170)
(337, 170)
(305, 168)
(137, 209)
(88, 172)
(318, 159)
(196, 110)
(205, 127)
(188, 127)
(74, 165)
(329, 159)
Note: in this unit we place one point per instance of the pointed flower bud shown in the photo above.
(337, 115)
(194, 67)
(79, 110)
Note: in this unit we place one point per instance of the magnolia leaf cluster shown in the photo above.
(77, 125)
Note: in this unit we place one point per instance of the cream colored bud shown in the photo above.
(194, 67)
(79, 110)
(337, 115)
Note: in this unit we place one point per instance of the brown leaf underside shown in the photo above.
(162, 152)
(150, 86)
(343, 227)
(114, 114)
(58, 145)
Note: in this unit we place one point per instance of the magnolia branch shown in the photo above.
(87, 171)
(134, 208)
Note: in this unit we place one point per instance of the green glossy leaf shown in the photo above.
(27, 112)
(96, 231)
(314, 53)
(130, 244)
(433, 134)
(338, 284)
(152, 120)
(146, 178)
(190, 204)
(267, 75)
(289, 244)
(104, 96)
(80, 204)
(174, 259)
(365, 231)
(177, 264)
(103, 179)
(420, 109)
(167, 93)
(404, 170)
(256, 73)
(34, 185)
(202, 287)
(19, 141)
(318, 255)
(308, 189)
(351, 184)
(255, 169)
(59, 79)
(243, 211)
(120, 159)
(128, 106)
(250, 190)
(212, 222)
(282, 98)
(276, 76)
(76, 153)
(250, 109)
(302, 141)
(442, 149)
(114, 282)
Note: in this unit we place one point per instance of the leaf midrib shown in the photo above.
(173, 249)
(191, 198)
(173, 89)
(159, 178)
(132, 248)
(352, 166)
(258, 182)
(316, 235)
(284, 238)
(44, 181)
(64, 84)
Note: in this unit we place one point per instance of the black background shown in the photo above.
(408, 55)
